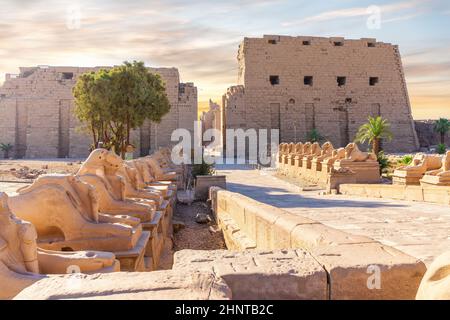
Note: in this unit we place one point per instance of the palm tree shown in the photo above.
(442, 126)
(373, 131)
(6, 148)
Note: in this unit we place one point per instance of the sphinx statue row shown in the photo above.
(327, 166)
(426, 170)
(112, 215)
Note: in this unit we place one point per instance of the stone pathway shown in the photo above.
(10, 187)
(419, 229)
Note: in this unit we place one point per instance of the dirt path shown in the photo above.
(196, 236)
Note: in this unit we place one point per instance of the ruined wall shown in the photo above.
(291, 83)
(37, 113)
(212, 119)
(426, 134)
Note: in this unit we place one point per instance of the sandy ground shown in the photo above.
(196, 236)
(8, 167)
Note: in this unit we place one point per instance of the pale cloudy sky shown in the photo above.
(201, 37)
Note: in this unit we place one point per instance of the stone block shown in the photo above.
(203, 183)
(157, 285)
(313, 235)
(260, 275)
(369, 271)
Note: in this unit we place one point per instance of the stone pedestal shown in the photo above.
(435, 180)
(402, 177)
(133, 260)
(306, 162)
(203, 183)
(316, 165)
(334, 179)
(365, 171)
(155, 245)
(298, 161)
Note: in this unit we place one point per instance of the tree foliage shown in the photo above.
(442, 126)
(373, 131)
(6, 148)
(111, 103)
(441, 148)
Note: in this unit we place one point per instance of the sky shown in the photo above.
(201, 38)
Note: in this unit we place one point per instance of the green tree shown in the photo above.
(441, 148)
(373, 131)
(91, 109)
(6, 148)
(114, 102)
(442, 126)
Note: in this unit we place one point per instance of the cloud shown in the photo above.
(355, 12)
(200, 37)
(428, 69)
(204, 54)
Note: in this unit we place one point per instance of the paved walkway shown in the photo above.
(10, 187)
(419, 229)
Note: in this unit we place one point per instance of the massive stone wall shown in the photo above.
(296, 84)
(37, 105)
(212, 119)
(427, 136)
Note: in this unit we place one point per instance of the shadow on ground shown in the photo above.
(284, 198)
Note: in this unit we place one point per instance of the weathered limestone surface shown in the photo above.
(346, 257)
(91, 211)
(37, 113)
(435, 284)
(22, 263)
(212, 119)
(411, 174)
(291, 84)
(438, 177)
(426, 134)
(433, 194)
(260, 275)
(354, 268)
(326, 166)
(158, 285)
(202, 184)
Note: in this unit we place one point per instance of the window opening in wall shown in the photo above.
(306, 43)
(373, 81)
(338, 43)
(341, 81)
(371, 44)
(274, 80)
(308, 80)
(67, 75)
(272, 41)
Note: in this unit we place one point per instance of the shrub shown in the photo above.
(406, 160)
(441, 148)
(6, 148)
(384, 162)
(203, 169)
(314, 136)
